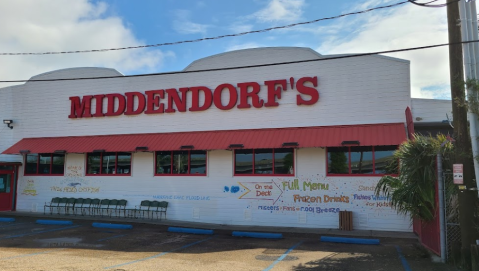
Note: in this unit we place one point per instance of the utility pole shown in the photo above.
(462, 147)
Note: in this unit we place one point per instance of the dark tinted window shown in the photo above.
(384, 160)
(263, 161)
(45, 164)
(163, 162)
(108, 163)
(58, 165)
(181, 162)
(93, 163)
(244, 162)
(338, 160)
(362, 160)
(198, 162)
(32, 163)
(283, 161)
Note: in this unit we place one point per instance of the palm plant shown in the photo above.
(413, 190)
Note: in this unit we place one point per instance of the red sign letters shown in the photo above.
(172, 100)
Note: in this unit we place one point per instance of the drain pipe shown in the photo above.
(440, 192)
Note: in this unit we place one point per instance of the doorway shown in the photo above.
(6, 191)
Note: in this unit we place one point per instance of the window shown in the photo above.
(45, 164)
(109, 163)
(372, 160)
(5, 167)
(180, 163)
(264, 162)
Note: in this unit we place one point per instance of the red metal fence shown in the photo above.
(428, 232)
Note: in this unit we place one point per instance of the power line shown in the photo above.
(244, 67)
(212, 38)
(431, 6)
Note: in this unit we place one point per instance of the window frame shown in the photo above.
(273, 166)
(189, 164)
(38, 164)
(350, 174)
(87, 166)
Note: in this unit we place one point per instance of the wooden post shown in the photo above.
(462, 146)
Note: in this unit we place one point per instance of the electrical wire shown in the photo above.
(245, 67)
(211, 38)
(431, 6)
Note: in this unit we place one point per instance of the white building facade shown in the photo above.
(286, 145)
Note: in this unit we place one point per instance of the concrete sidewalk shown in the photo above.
(199, 225)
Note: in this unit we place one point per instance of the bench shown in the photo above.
(106, 207)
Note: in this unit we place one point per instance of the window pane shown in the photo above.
(198, 162)
(4, 167)
(108, 163)
(283, 161)
(93, 163)
(180, 162)
(58, 166)
(45, 162)
(32, 161)
(362, 160)
(384, 162)
(244, 162)
(124, 163)
(5, 180)
(263, 161)
(163, 162)
(338, 160)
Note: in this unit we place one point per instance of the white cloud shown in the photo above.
(280, 11)
(402, 27)
(39, 26)
(183, 25)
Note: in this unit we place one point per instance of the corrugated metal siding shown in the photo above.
(327, 136)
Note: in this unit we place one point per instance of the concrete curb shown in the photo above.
(111, 226)
(7, 219)
(349, 240)
(54, 222)
(190, 230)
(258, 235)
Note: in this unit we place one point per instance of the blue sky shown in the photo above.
(59, 25)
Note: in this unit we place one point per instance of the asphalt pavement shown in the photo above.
(149, 245)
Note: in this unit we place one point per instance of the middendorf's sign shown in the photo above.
(150, 102)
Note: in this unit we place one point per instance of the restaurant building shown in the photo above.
(267, 137)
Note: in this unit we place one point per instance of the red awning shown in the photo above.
(306, 137)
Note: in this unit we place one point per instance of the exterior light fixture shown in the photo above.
(290, 144)
(187, 147)
(141, 148)
(235, 146)
(8, 123)
(24, 151)
(350, 142)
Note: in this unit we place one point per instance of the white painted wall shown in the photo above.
(7, 135)
(212, 198)
(428, 110)
(360, 90)
(352, 91)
